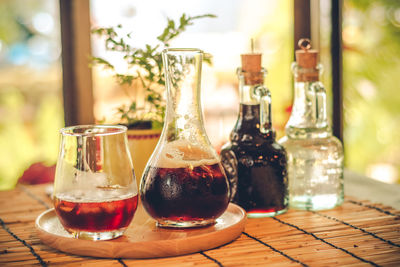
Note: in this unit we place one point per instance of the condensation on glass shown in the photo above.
(184, 184)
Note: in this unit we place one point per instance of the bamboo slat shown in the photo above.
(358, 233)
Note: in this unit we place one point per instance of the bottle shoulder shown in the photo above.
(264, 148)
(310, 131)
(330, 143)
(252, 136)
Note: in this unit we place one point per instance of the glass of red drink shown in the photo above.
(95, 193)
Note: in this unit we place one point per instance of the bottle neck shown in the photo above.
(249, 114)
(309, 116)
(255, 104)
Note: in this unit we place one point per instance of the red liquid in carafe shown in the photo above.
(187, 193)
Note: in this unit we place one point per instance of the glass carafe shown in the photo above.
(184, 184)
(254, 162)
(315, 156)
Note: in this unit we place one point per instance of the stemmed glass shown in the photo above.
(95, 192)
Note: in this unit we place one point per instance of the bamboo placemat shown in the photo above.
(358, 233)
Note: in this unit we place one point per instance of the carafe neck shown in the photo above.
(183, 118)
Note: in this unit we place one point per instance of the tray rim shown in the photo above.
(56, 241)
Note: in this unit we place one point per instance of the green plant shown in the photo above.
(146, 64)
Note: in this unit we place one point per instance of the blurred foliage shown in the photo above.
(147, 64)
(13, 19)
(371, 67)
(31, 110)
(25, 141)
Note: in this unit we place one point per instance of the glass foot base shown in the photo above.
(322, 202)
(97, 235)
(184, 224)
(263, 214)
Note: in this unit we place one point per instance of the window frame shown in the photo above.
(76, 50)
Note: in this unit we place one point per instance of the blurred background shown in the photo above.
(31, 85)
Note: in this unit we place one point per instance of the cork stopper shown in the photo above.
(251, 67)
(305, 57)
(308, 59)
(251, 62)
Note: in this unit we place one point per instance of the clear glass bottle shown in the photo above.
(184, 184)
(315, 156)
(254, 162)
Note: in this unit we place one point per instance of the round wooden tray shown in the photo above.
(143, 239)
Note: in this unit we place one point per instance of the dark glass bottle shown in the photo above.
(254, 162)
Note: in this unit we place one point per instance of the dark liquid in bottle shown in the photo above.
(255, 165)
(185, 194)
(96, 216)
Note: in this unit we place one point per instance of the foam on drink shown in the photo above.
(183, 154)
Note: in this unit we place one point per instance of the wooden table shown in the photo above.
(358, 233)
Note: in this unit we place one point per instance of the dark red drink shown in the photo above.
(196, 193)
(96, 216)
(256, 166)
